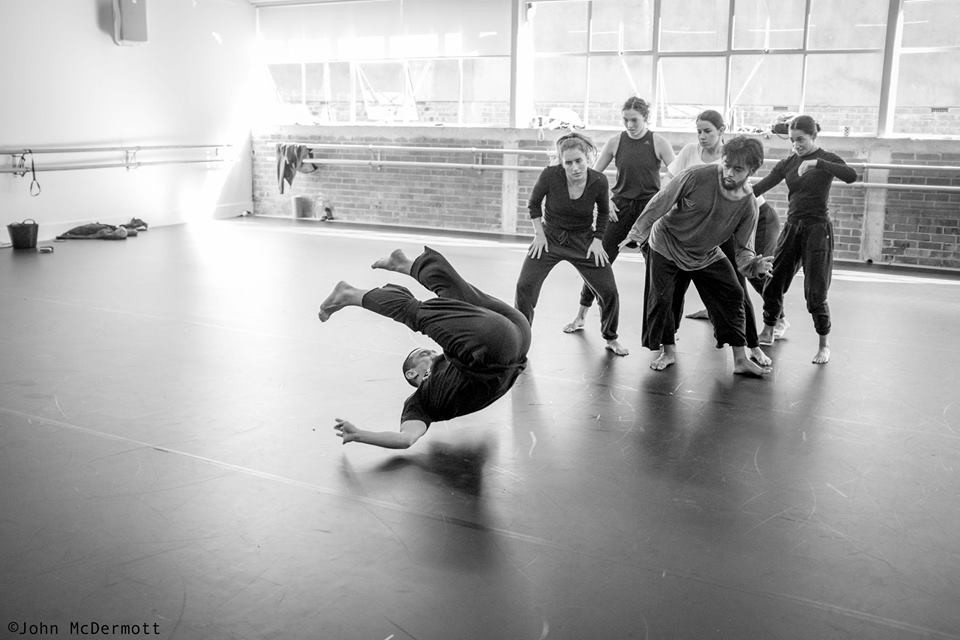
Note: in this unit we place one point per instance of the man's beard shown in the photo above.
(731, 185)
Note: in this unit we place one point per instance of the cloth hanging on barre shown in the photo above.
(289, 161)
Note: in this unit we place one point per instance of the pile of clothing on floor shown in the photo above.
(100, 231)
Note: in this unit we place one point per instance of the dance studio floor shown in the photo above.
(169, 462)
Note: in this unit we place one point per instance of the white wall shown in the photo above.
(64, 82)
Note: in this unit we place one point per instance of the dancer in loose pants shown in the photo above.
(484, 341)
(807, 236)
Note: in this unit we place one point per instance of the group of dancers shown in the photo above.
(706, 225)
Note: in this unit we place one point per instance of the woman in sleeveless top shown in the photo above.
(638, 154)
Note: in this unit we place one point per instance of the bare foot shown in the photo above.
(766, 336)
(780, 328)
(757, 355)
(343, 295)
(663, 360)
(823, 356)
(747, 367)
(617, 348)
(396, 261)
(573, 326)
(698, 315)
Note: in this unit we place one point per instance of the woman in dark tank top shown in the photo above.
(638, 154)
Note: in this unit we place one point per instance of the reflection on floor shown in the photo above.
(168, 457)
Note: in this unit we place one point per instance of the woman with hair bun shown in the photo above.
(561, 209)
(807, 236)
(638, 154)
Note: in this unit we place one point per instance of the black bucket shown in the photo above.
(23, 235)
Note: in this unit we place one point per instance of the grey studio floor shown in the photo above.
(168, 458)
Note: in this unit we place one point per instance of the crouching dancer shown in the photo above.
(484, 341)
(684, 226)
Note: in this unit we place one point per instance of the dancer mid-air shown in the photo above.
(484, 341)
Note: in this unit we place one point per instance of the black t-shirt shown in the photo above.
(451, 391)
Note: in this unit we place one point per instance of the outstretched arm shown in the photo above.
(658, 206)
(410, 432)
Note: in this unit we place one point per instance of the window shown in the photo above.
(843, 90)
(763, 87)
(754, 60)
(758, 25)
(621, 25)
(931, 23)
(848, 24)
(694, 25)
(686, 87)
(560, 27)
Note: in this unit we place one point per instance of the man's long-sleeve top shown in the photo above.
(689, 219)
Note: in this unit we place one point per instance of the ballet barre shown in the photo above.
(23, 159)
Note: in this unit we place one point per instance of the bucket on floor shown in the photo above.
(23, 235)
(303, 207)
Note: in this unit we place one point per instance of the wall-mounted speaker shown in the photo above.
(129, 21)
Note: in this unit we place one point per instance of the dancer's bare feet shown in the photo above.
(616, 348)
(781, 327)
(396, 261)
(766, 336)
(757, 355)
(577, 323)
(343, 295)
(749, 368)
(698, 315)
(666, 357)
(823, 353)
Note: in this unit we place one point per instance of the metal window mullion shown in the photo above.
(732, 7)
(806, 54)
(655, 55)
(586, 71)
(891, 69)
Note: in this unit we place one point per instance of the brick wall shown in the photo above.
(876, 225)
(923, 227)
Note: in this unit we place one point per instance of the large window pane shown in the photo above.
(328, 91)
(848, 24)
(687, 87)
(621, 25)
(460, 28)
(613, 79)
(560, 83)
(843, 90)
(931, 23)
(288, 80)
(485, 94)
(927, 98)
(616, 78)
(386, 91)
(763, 88)
(694, 25)
(332, 30)
(761, 24)
(559, 27)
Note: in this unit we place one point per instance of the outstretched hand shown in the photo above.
(630, 243)
(345, 430)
